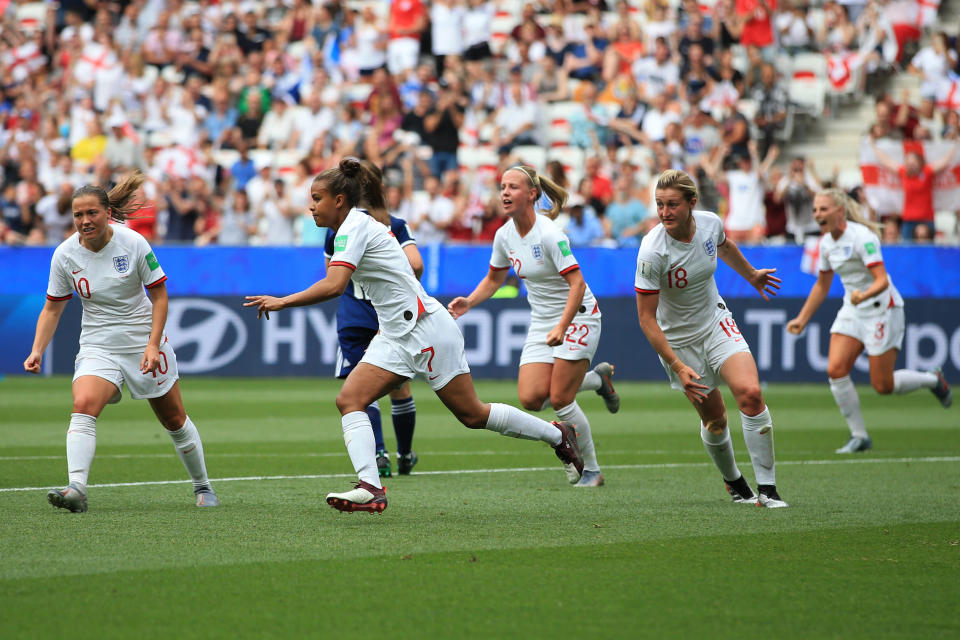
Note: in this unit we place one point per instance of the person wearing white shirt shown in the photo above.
(690, 327)
(446, 30)
(417, 336)
(871, 318)
(565, 317)
(122, 338)
(316, 121)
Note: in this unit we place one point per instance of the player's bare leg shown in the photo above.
(533, 385)
(186, 440)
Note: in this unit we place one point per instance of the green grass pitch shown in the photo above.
(486, 539)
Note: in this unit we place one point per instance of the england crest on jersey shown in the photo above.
(121, 264)
(710, 247)
(537, 250)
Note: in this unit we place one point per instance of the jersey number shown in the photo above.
(430, 359)
(878, 334)
(82, 287)
(677, 278)
(572, 331)
(729, 326)
(162, 366)
(516, 265)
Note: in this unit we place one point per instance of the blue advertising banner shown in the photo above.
(217, 336)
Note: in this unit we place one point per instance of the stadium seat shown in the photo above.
(809, 65)
(478, 157)
(32, 16)
(532, 155)
(225, 157)
(808, 95)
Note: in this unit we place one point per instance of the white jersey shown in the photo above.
(540, 259)
(682, 273)
(382, 270)
(117, 314)
(851, 257)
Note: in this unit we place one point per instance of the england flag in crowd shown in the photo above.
(883, 188)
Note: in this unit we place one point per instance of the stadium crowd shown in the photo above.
(231, 108)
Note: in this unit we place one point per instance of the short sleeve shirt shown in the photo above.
(117, 314)
(541, 259)
(851, 256)
(682, 273)
(381, 269)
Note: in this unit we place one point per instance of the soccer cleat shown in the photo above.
(206, 497)
(606, 390)
(590, 479)
(769, 498)
(70, 498)
(856, 444)
(569, 451)
(363, 497)
(406, 462)
(383, 463)
(942, 390)
(740, 491)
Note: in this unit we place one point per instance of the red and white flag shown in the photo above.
(810, 260)
(840, 69)
(883, 188)
(23, 60)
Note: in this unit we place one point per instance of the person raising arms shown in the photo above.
(565, 318)
(122, 338)
(417, 336)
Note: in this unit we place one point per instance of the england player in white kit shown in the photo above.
(690, 327)
(870, 319)
(122, 339)
(564, 316)
(417, 336)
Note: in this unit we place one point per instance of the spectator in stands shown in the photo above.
(583, 227)
(549, 84)
(745, 176)
(528, 19)
(432, 217)
(694, 34)
(656, 119)
(932, 63)
(588, 123)
(446, 31)
(771, 100)
(837, 31)
(917, 179)
(775, 211)
(584, 59)
(625, 128)
(442, 130)
(795, 191)
(182, 210)
(695, 76)
(660, 24)
(628, 217)
(515, 122)
(700, 137)
(248, 123)
(795, 27)
(657, 74)
(951, 125)
(121, 152)
(556, 41)
(601, 187)
(757, 30)
(221, 119)
(624, 51)
(407, 20)
(313, 123)
(55, 210)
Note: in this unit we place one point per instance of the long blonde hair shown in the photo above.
(851, 210)
(557, 194)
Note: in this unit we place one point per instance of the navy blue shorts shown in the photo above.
(352, 344)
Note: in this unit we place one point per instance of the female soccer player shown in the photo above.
(871, 317)
(416, 335)
(565, 317)
(694, 333)
(357, 324)
(122, 338)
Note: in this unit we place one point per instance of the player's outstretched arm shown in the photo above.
(330, 287)
(486, 288)
(762, 280)
(818, 293)
(46, 326)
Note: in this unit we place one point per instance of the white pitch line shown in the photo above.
(456, 472)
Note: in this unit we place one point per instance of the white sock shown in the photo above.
(358, 436)
(758, 436)
(591, 381)
(81, 445)
(510, 421)
(847, 399)
(186, 440)
(720, 448)
(574, 414)
(546, 404)
(907, 380)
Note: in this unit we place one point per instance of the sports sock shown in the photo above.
(847, 399)
(81, 445)
(546, 404)
(574, 414)
(758, 436)
(510, 421)
(907, 380)
(591, 381)
(404, 414)
(358, 436)
(186, 440)
(720, 448)
(373, 412)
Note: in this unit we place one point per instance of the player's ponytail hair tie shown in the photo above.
(122, 201)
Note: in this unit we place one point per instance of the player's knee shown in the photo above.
(347, 403)
(472, 419)
(835, 371)
(883, 387)
(716, 426)
(559, 400)
(87, 405)
(173, 421)
(750, 400)
(532, 401)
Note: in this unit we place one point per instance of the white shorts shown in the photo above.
(402, 54)
(125, 367)
(708, 356)
(434, 349)
(878, 332)
(580, 341)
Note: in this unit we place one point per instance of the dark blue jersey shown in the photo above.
(355, 309)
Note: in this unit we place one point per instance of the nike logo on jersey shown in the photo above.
(433, 377)
(76, 272)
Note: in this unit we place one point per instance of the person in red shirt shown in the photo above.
(602, 189)
(758, 22)
(407, 20)
(917, 178)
